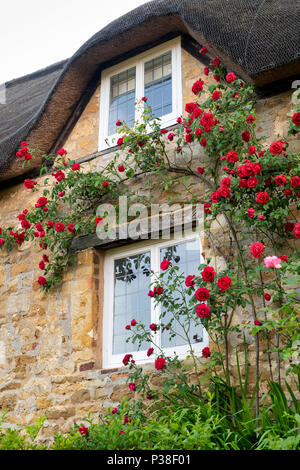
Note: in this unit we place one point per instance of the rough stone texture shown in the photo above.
(51, 344)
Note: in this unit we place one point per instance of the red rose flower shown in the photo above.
(133, 322)
(121, 168)
(202, 311)
(158, 290)
(251, 212)
(105, 184)
(61, 152)
(153, 327)
(262, 198)
(216, 95)
(120, 141)
(297, 230)
(25, 224)
(276, 148)
(2, 241)
(164, 264)
(118, 123)
(98, 220)
(206, 208)
(189, 107)
(132, 386)
(267, 297)
(42, 201)
(232, 156)
(246, 136)
(160, 363)
(126, 359)
(150, 293)
(29, 184)
(251, 149)
(189, 138)
(296, 119)
(250, 119)
(230, 77)
(42, 281)
(197, 87)
(71, 227)
(206, 352)
(75, 167)
(189, 281)
(59, 227)
(284, 258)
(59, 175)
(150, 351)
(206, 71)
(226, 181)
(200, 170)
(208, 274)
(257, 322)
(216, 62)
(280, 180)
(42, 265)
(203, 50)
(257, 249)
(202, 294)
(83, 431)
(224, 283)
(295, 181)
(252, 182)
(171, 136)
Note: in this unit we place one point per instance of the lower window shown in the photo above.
(127, 278)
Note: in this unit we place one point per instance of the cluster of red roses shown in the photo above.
(23, 152)
(202, 294)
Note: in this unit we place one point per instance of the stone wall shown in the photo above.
(51, 344)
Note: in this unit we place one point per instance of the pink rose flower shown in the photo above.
(272, 262)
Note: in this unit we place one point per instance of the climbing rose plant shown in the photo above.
(253, 186)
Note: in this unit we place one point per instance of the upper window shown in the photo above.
(128, 273)
(155, 74)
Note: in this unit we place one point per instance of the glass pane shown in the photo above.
(132, 279)
(158, 84)
(187, 256)
(122, 97)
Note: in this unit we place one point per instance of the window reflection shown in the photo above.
(158, 84)
(187, 257)
(132, 279)
(122, 96)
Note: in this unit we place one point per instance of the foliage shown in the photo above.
(21, 439)
(251, 190)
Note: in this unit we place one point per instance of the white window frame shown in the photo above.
(111, 360)
(174, 46)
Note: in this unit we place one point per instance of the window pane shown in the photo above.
(187, 256)
(122, 97)
(158, 84)
(132, 279)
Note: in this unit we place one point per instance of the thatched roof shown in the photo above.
(258, 39)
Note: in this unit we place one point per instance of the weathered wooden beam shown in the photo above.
(154, 230)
